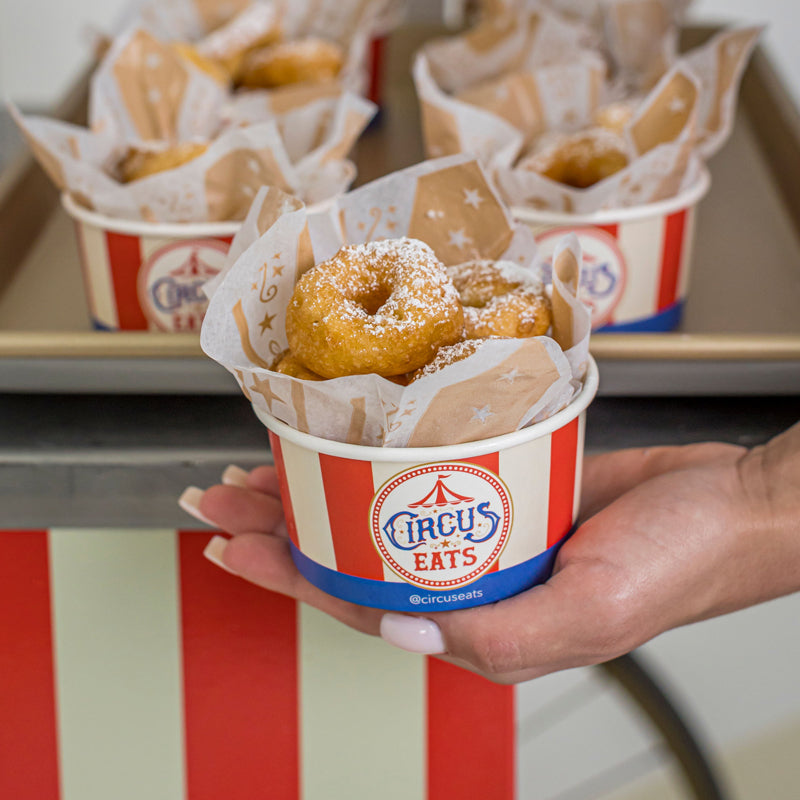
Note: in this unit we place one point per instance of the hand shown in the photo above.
(668, 536)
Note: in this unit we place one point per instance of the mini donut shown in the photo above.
(449, 354)
(383, 307)
(139, 163)
(579, 160)
(228, 45)
(500, 299)
(288, 364)
(304, 60)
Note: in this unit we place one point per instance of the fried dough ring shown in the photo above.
(500, 299)
(289, 364)
(580, 160)
(382, 307)
(447, 355)
(304, 60)
(139, 163)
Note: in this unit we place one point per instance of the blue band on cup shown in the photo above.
(665, 320)
(405, 597)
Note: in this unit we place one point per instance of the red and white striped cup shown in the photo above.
(432, 528)
(145, 275)
(636, 260)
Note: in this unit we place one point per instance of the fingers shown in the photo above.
(244, 501)
(267, 562)
(610, 475)
(237, 510)
(264, 479)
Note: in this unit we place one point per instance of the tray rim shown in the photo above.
(610, 346)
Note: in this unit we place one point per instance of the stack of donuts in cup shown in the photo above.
(391, 308)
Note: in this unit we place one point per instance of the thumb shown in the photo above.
(569, 621)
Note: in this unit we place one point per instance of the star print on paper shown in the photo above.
(472, 197)
(733, 48)
(676, 105)
(261, 386)
(459, 238)
(481, 414)
(449, 216)
(266, 323)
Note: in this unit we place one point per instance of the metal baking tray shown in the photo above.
(740, 334)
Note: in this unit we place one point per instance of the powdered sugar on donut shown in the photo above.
(383, 307)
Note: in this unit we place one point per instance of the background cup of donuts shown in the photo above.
(636, 260)
(147, 276)
(437, 528)
(610, 143)
(178, 142)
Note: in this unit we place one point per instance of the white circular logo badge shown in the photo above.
(170, 282)
(441, 526)
(604, 271)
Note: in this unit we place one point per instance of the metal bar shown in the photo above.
(693, 754)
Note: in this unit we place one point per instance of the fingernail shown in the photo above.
(415, 634)
(213, 552)
(235, 476)
(189, 501)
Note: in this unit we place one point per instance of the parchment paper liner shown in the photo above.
(449, 204)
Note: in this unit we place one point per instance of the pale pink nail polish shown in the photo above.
(213, 552)
(235, 476)
(189, 501)
(415, 634)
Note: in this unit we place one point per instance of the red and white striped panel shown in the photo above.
(657, 254)
(542, 477)
(130, 667)
(111, 262)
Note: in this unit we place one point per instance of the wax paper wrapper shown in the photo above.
(195, 19)
(639, 38)
(507, 41)
(682, 121)
(219, 25)
(145, 92)
(449, 204)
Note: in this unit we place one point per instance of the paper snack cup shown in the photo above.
(636, 260)
(432, 528)
(146, 275)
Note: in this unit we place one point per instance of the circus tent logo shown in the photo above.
(604, 273)
(171, 281)
(441, 526)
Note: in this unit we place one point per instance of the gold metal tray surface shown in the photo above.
(740, 332)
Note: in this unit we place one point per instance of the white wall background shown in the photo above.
(45, 43)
